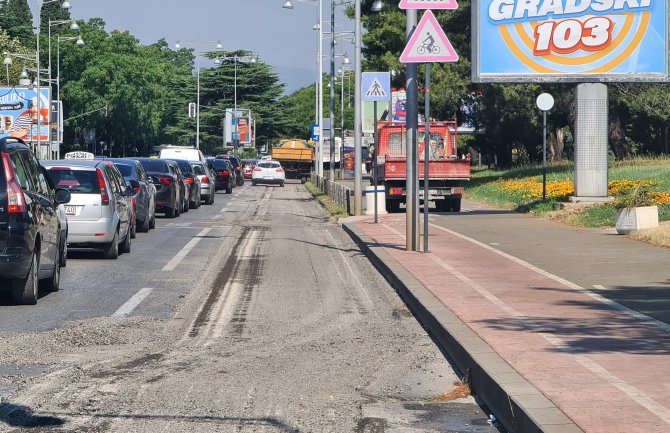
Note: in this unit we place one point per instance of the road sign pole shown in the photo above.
(374, 159)
(412, 202)
(426, 158)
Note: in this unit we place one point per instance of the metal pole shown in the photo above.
(358, 147)
(342, 125)
(39, 92)
(426, 159)
(320, 84)
(197, 103)
(236, 117)
(544, 155)
(412, 200)
(374, 160)
(50, 53)
(332, 91)
(60, 113)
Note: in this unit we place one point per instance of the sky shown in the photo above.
(283, 38)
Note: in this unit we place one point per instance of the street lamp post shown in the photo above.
(79, 43)
(197, 103)
(73, 26)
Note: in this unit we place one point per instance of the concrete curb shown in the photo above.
(516, 403)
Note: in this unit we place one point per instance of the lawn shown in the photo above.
(521, 189)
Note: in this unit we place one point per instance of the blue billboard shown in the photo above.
(19, 116)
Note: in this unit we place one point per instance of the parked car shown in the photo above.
(193, 181)
(181, 152)
(30, 232)
(268, 172)
(184, 186)
(225, 175)
(145, 192)
(168, 193)
(100, 209)
(237, 167)
(207, 179)
(248, 167)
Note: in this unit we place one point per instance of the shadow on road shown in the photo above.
(21, 416)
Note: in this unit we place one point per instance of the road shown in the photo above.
(254, 314)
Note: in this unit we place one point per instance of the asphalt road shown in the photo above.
(254, 314)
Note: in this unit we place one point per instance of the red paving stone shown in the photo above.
(613, 377)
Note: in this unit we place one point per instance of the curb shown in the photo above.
(514, 401)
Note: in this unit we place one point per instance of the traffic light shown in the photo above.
(191, 109)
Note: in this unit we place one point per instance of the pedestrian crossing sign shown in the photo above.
(376, 86)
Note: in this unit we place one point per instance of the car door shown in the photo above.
(149, 187)
(120, 200)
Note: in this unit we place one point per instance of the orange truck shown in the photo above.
(446, 172)
(296, 157)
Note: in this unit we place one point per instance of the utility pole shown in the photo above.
(411, 87)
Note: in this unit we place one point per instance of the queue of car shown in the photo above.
(99, 203)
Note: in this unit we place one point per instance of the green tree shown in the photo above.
(11, 45)
(52, 11)
(17, 19)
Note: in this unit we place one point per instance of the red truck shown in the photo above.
(446, 172)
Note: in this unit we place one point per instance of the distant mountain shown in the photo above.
(295, 78)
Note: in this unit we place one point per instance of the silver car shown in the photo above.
(207, 186)
(99, 213)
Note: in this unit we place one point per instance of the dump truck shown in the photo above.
(296, 157)
(447, 173)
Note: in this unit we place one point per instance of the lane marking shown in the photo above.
(224, 209)
(172, 264)
(127, 308)
(576, 287)
(216, 217)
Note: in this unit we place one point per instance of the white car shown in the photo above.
(268, 172)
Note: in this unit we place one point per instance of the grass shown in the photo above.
(520, 189)
(333, 209)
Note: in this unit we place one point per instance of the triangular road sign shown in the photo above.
(428, 4)
(376, 90)
(428, 43)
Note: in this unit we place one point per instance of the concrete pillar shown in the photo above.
(591, 143)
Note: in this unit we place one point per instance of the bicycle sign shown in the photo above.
(428, 43)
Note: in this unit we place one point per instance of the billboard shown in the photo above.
(569, 40)
(243, 129)
(18, 113)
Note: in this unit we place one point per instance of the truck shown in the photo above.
(296, 157)
(447, 173)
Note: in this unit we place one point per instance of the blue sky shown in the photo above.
(283, 38)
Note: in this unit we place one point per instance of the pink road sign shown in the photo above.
(429, 43)
(428, 4)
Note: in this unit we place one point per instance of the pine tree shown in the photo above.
(17, 20)
(53, 11)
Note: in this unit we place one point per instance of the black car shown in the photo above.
(194, 197)
(237, 167)
(225, 175)
(145, 192)
(30, 232)
(182, 181)
(168, 191)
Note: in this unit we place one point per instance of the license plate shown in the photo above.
(70, 210)
(269, 177)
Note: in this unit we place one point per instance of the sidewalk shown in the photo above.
(543, 353)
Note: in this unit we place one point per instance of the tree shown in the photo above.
(17, 19)
(52, 11)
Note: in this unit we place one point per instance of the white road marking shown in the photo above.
(216, 217)
(224, 209)
(172, 264)
(127, 308)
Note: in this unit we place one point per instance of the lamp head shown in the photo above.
(8, 61)
(177, 45)
(66, 5)
(24, 73)
(288, 5)
(219, 45)
(346, 59)
(377, 6)
(74, 26)
(80, 42)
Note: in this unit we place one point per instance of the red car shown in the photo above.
(247, 169)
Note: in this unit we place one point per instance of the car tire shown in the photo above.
(146, 224)
(26, 290)
(133, 230)
(211, 199)
(282, 184)
(152, 221)
(62, 252)
(125, 246)
(177, 210)
(253, 183)
(170, 213)
(53, 284)
(111, 250)
(229, 190)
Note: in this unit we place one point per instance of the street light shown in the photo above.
(197, 103)
(377, 6)
(73, 26)
(80, 43)
(253, 58)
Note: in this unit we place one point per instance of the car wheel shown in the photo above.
(253, 183)
(53, 283)
(125, 246)
(177, 210)
(282, 184)
(146, 224)
(63, 251)
(210, 201)
(229, 190)
(152, 222)
(133, 230)
(25, 290)
(170, 213)
(111, 250)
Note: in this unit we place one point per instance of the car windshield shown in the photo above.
(184, 166)
(198, 170)
(155, 165)
(125, 169)
(76, 181)
(221, 164)
(269, 165)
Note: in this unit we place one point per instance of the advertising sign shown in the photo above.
(243, 131)
(18, 113)
(569, 40)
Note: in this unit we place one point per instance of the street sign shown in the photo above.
(428, 4)
(376, 86)
(428, 43)
(315, 132)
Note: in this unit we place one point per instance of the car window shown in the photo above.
(155, 165)
(199, 170)
(269, 165)
(126, 170)
(141, 174)
(35, 173)
(111, 179)
(21, 172)
(76, 181)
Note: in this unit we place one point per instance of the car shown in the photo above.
(181, 152)
(237, 167)
(145, 192)
(225, 175)
(168, 193)
(30, 231)
(269, 172)
(207, 181)
(193, 181)
(100, 210)
(182, 183)
(248, 167)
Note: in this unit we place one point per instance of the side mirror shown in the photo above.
(130, 191)
(62, 196)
